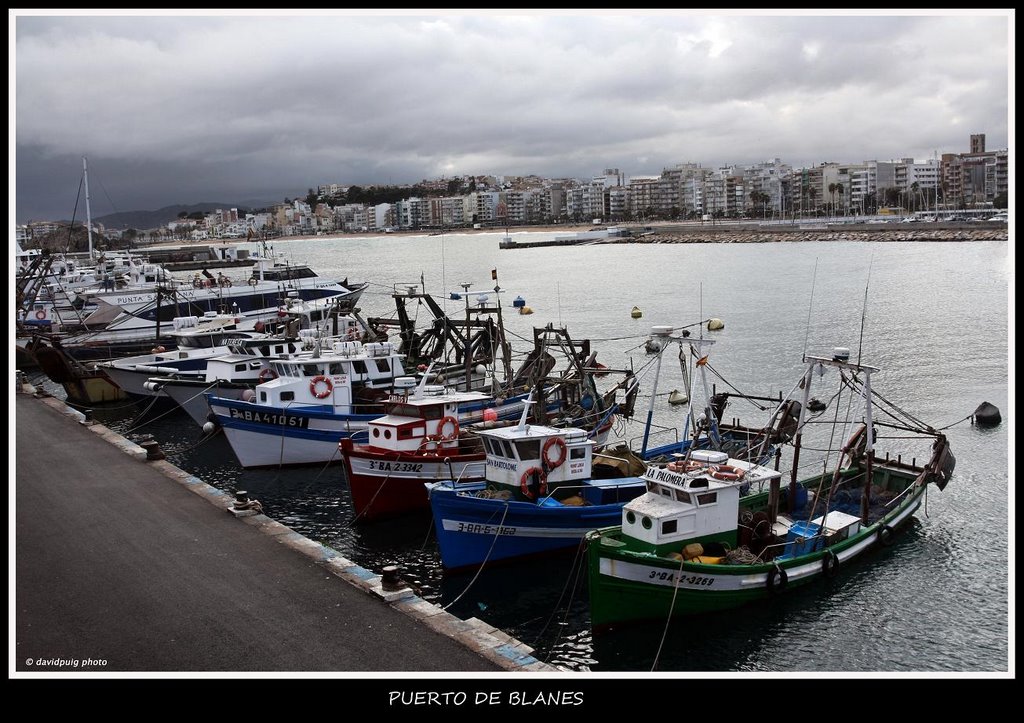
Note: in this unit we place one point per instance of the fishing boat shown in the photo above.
(197, 340)
(410, 446)
(538, 497)
(709, 536)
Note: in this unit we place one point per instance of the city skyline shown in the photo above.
(239, 108)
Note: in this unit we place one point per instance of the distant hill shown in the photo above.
(143, 220)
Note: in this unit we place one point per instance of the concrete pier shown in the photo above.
(125, 563)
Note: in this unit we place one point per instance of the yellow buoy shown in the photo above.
(715, 324)
(525, 310)
(636, 313)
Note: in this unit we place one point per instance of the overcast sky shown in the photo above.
(245, 108)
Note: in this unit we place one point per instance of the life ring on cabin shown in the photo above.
(446, 421)
(266, 374)
(197, 283)
(40, 314)
(353, 333)
(252, 281)
(727, 473)
(885, 536)
(777, 579)
(224, 281)
(315, 382)
(690, 465)
(562, 451)
(830, 564)
(524, 483)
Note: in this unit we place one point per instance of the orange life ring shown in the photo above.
(208, 283)
(40, 314)
(327, 389)
(524, 483)
(454, 434)
(266, 374)
(727, 473)
(554, 442)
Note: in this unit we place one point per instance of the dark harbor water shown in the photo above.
(937, 323)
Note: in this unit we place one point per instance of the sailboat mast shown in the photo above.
(662, 334)
(869, 450)
(88, 212)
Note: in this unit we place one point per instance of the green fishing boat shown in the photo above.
(713, 533)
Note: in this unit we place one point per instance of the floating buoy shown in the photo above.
(636, 313)
(715, 324)
(524, 310)
(519, 302)
(678, 397)
(987, 415)
(816, 405)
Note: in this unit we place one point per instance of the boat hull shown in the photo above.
(631, 587)
(386, 484)
(472, 530)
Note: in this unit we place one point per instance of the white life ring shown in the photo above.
(40, 314)
(727, 473)
(266, 374)
(253, 281)
(315, 382)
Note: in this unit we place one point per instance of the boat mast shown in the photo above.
(88, 213)
(774, 508)
(662, 334)
(869, 450)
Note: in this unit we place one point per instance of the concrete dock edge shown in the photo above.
(477, 636)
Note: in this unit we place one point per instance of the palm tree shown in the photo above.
(839, 190)
(832, 193)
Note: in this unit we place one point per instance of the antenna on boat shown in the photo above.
(418, 394)
(810, 303)
(526, 412)
(88, 212)
(864, 311)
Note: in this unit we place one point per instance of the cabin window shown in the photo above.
(311, 370)
(359, 366)
(646, 522)
(707, 498)
(240, 367)
(434, 412)
(252, 365)
(631, 517)
(376, 431)
(383, 365)
(337, 368)
(668, 527)
(506, 449)
(683, 497)
(665, 491)
(387, 434)
(530, 449)
(263, 396)
(287, 396)
(406, 432)
(279, 349)
(577, 453)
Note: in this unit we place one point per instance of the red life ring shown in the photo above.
(524, 483)
(266, 374)
(327, 389)
(353, 333)
(554, 442)
(454, 434)
(727, 473)
(40, 314)
(208, 283)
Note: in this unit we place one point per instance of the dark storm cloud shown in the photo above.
(211, 108)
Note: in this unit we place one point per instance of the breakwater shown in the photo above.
(782, 234)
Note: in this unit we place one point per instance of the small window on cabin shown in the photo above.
(376, 431)
(311, 370)
(665, 492)
(631, 517)
(707, 498)
(383, 365)
(433, 412)
(255, 365)
(240, 367)
(506, 449)
(287, 396)
(578, 453)
(683, 497)
(668, 527)
(263, 396)
(337, 368)
(387, 434)
(646, 523)
(359, 366)
(279, 349)
(530, 449)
